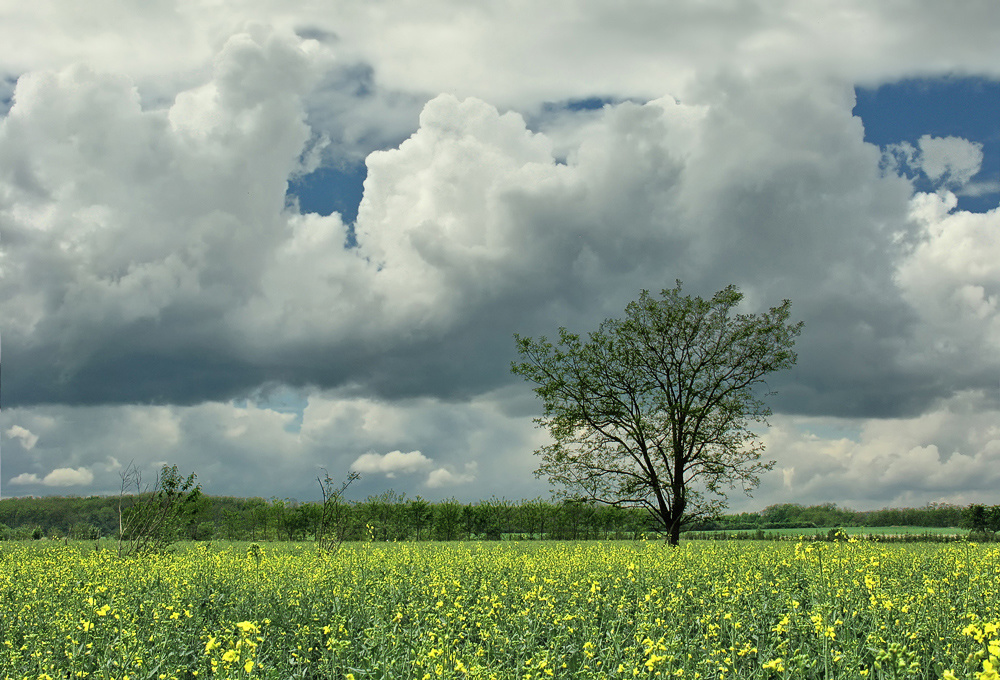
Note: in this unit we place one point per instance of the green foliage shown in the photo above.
(655, 410)
(983, 521)
(385, 514)
(256, 519)
(866, 534)
(421, 515)
(447, 520)
(150, 519)
(792, 516)
(333, 512)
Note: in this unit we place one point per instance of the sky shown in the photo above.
(260, 239)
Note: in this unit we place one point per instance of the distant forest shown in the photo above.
(393, 517)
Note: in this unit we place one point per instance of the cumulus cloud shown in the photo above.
(26, 437)
(948, 454)
(152, 275)
(389, 464)
(69, 477)
(99, 270)
(25, 478)
(388, 63)
(442, 477)
(57, 478)
(948, 162)
(951, 278)
(952, 161)
(469, 230)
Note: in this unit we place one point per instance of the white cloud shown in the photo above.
(949, 454)
(25, 478)
(188, 240)
(58, 477)
(443, 477)
(69, 477)
(952, 161)
(468, 231)
(513, 55)
(111, 464)
(389, 464)
(434, 215)
(951, 278)
(26, 437)
(949, 162)
(980, 188)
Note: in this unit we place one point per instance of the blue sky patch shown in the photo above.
(331, 189)
(969, 108)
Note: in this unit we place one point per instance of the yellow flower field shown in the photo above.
(503, 610)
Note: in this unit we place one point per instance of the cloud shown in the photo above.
(389, 464)
(980, 188)
(517, 54)
(388, 63)
(469, 230)
(79, 268)
(948, 454)
(69, 477)
(951, 278)
(443, 477)
(58, 477)
(154, 281)
(949, 162)
(252, 449)
(25, 478)
(27, 438)
(952, 161)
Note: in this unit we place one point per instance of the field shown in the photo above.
(503, 610)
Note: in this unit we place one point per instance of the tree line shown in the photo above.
(825, 515)
(391, 516)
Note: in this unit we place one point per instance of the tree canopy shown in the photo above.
(655, 409)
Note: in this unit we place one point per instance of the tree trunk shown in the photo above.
(677, 501)
(675, 533)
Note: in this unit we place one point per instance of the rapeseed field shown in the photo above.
(503, 610)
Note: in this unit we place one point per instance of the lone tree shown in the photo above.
(654, 410)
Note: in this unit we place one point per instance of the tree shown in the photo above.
(258, 516)
(385, 516)
(447, 520)
(335, 513)
(493, 517)
(150, 519)
(654, 410)
(420, 513)
(983, 521)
